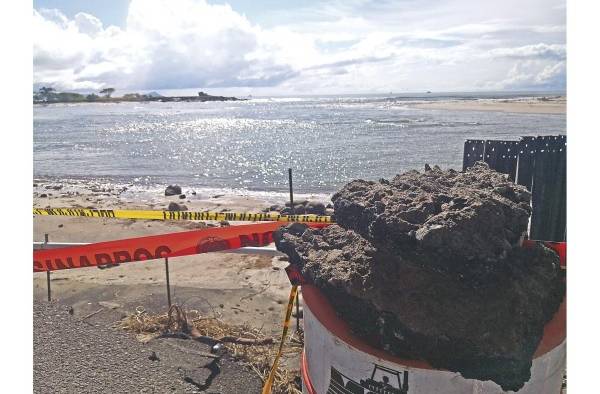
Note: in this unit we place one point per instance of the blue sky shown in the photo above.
(267, 13)
(300, 47)
(111, 12)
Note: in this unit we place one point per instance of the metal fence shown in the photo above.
(538, 163)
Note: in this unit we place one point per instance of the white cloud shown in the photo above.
(333, 47)
(165, 45)
(535, 74)
(88, 24)
(541, 50)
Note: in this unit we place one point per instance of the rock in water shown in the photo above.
(315, 207)
(428, 266)
(173, 206)
(173, 190)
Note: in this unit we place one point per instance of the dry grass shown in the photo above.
(258, 357)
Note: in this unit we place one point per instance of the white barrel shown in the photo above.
(337, 362)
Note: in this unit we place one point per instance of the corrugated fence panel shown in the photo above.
(473, 152)
(502, 156)
(548, 219)
(527, 148)
(540, 164)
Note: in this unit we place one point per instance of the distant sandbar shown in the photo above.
(540, 105)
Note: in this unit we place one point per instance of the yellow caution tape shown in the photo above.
(286, 325)
(181, 215)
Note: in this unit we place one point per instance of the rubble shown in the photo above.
(428, 266)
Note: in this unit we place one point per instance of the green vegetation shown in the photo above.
(132, 96)
(48, 95)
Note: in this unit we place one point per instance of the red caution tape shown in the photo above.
(157, 246)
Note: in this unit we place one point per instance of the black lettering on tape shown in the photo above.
(58, 263)
(102, 258)
(122, 256)
(267, 237)
(162, 251)
(142, 254)
(84, 261)
(249, 240)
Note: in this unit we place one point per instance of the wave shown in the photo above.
(420, 122)
(139, 192)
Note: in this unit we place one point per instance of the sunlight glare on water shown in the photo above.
(251, 144)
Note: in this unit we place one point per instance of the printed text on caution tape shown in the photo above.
(181, 215)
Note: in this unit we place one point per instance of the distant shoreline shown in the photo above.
(142, 99)
(539, 105)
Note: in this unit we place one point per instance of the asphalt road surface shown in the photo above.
(75, 356)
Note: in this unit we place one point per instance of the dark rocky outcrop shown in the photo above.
(477, 216)
(315, 207)
(275, 207)
(173, 190)
(173, 206)
(302, 207)
(428, 266)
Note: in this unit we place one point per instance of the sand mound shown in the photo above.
(428, 266)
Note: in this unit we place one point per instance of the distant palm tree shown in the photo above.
(107, 91)
(45, 94)
(45, 90)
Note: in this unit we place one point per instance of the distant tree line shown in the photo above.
(47, 94)
(50, 95)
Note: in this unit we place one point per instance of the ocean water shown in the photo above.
(247, 146)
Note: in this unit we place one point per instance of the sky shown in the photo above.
(307, 47)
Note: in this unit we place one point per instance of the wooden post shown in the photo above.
(168, 283)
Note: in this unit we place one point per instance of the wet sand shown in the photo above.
(550, 105)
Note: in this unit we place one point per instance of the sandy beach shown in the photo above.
(239, 288)
(540, 105)
(236, 288)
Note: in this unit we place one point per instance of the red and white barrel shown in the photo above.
(335, 361)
